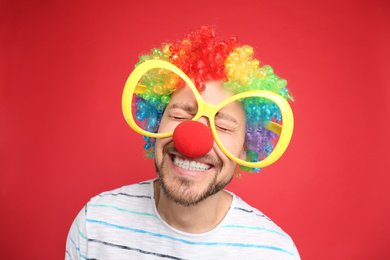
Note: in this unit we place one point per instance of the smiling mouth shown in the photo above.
(189, 165)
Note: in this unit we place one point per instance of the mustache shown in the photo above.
(214, 160)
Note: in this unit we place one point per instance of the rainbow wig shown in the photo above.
(203, 57)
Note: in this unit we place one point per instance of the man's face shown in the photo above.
(207, 174)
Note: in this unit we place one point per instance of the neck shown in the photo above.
(197, 219)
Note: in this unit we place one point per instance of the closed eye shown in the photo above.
(225, 122)
(181, 112)
(225, 128)
(180, 117)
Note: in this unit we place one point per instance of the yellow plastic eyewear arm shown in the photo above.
(274, 127)
(140, 89)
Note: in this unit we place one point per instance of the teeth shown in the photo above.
(192, 166)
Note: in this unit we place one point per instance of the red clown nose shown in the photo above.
(193, 139)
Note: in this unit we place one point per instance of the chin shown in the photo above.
(187, 190)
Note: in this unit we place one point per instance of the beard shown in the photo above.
(181, 190)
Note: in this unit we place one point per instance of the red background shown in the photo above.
(63, 138)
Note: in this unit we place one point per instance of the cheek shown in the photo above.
(158, 149)
(162, 126)
(234, 144)
(219, 152)
(167, 125)
(161, 142)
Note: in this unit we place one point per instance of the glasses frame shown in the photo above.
(208, 110)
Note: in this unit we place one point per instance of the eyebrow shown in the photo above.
(225, 116)
(188, 108)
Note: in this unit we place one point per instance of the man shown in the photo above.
(197, 127)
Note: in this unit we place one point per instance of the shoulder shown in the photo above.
(138, 190)
(243, 213)
(106, 214)
(125, 198)
(241, 209)
(253, 225)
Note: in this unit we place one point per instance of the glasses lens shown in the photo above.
(155, 90)
(244, 123)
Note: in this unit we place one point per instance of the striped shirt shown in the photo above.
(124, 224)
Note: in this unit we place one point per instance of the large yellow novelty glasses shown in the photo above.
(212, 112)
